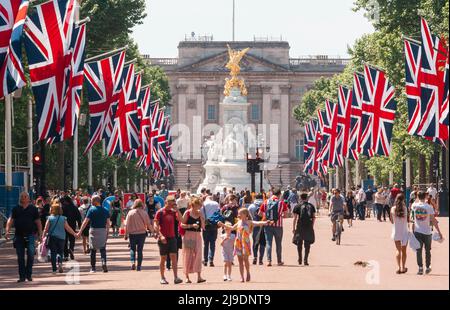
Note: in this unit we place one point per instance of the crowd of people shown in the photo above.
(248, 225)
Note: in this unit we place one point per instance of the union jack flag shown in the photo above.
(152, 158)
(444, 106)
(71, 105)
(413, 54)
(345, 98)
(311, 147)
(328, 122)
(12, 19)
(125, 134)
(378, 113)
(104, 86)
(144, 120)
(356, 115)
(434, 57)
(48, 45)
(313, 164)
(168, 146)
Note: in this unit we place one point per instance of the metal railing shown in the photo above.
(20, 160)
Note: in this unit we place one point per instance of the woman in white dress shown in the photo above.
(400, 219)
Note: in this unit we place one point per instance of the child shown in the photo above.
(242, 245)
(227, 251)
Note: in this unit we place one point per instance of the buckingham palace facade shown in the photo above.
(275, 82)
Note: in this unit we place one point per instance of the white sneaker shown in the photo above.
(229, 278)
(225, 278)
(92, 271)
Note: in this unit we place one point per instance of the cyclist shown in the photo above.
(338, 208)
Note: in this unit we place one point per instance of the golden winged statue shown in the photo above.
(235, 58)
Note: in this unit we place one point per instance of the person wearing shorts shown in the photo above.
(338, 208)
(167, 242)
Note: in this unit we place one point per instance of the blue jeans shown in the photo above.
(277, 233)
(137, 245)
(261, 243)
(209, 240)
(22, 243)
(57, 247)
(94, 258)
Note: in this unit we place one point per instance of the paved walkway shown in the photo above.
(331, 266)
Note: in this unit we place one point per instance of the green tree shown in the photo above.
(384, 48)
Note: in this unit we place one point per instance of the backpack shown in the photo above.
(306, 213)
(272, 210)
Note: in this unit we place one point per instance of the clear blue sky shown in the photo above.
(311, 27)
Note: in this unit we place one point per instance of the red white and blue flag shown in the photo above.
(70, 109)
(345, 97)
(413, 65)
(168, 146)
(125, 134)
(104, 86)
(12, 19)
(328, 123)
(48, 45)
(157, 116)
(356, 115)
(432, 78)
(378, 113)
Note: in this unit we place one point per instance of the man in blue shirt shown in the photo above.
(98, 217)
(163, 193)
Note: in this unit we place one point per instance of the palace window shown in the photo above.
(212, 112)
(299, 155)
(255, 112)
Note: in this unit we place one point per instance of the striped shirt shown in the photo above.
(282, 208)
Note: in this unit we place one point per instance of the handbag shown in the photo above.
(46, 240)
(414, 244)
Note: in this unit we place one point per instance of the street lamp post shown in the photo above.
(281, 180)
(188, 182)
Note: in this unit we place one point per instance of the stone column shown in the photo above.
(266, 107)
(286, 141)
(182, 119)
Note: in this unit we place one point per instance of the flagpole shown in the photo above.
(30, 142)
(104, 155)
(234, 19)
(104, 55)
(115, 176)
(347, 174)
(8, 142)
(90, 170)
(75, 136)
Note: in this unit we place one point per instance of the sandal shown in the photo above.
(201, 281)
(398, 271)
(188, 281)
(405, 270)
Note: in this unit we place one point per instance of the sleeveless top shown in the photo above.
(192, 221)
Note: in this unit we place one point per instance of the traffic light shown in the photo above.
(37, 171)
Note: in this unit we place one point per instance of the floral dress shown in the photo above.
(242, 245)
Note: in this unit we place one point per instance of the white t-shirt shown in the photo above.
(422, 212)
(182, 203)
(432, 192)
